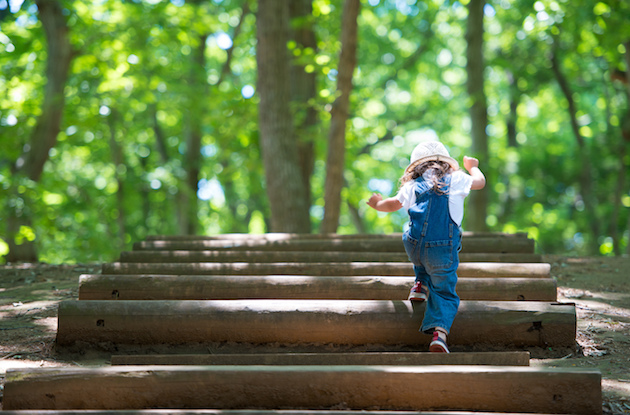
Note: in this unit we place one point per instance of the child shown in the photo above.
(432, 191)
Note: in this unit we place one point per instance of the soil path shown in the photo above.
(600, 288)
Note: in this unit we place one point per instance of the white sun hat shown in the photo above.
(430, 150)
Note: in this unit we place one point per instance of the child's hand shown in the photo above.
(373, 201)
(479, 180)
(470, 162)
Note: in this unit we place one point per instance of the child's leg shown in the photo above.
(442, 264)
(442, 304)
(413, 248)
(420, 290)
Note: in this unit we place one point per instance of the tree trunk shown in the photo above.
(145, 196)
(506, 202)
(160, 138)
(339, 116)
(513, 115)
(356, 218)
(188, 195)
(586, 173)
(616, 196)
(626, 130)
(30, 164)
(478, 204)
(304, 90)
(285, 189)
(119, 163)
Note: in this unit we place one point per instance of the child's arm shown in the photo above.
(384, 205)
(472, 165)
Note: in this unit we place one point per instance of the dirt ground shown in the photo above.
(600, 288)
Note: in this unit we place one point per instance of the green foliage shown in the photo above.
(135, 91)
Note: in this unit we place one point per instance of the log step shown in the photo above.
(243, 412)
(481, 388)
(229, 287)
(331, 359)
(307, 256)
(465, 270)
(280, 236)
(343, 322)
(469, 245)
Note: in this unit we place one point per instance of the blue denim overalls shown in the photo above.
(433, 242)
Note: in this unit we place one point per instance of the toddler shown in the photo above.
(432, 192)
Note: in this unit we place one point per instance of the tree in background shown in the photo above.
(304, 87)
(335, 165)
(285, 190)
(625, 134)
(30, 164)
(586, 172)
(121, 162)
(478, 203)
(198, 94)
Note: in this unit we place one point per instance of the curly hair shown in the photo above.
(440, 168)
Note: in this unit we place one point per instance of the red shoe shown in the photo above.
(418, 293)
(437, 344)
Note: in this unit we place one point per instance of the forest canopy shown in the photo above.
(159, 129)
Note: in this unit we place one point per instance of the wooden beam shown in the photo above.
(331, 359)
(306, 236)
(470, 245)
(487, 388)
(243, 412)
(303, 256)
(344, 322)
(465, 270)
(228, 287)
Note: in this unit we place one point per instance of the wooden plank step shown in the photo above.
(337, 359)
(483, 388)
(465, 270)
(315, 236)
(344, 322)
(245, 412)
(228, 287)
(306, 256)
(469, 245)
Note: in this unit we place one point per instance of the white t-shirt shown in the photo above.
(458, 190)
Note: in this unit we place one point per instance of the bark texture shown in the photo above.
(304, 90)
(339, 116)
(285, 189)
(478, 204)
